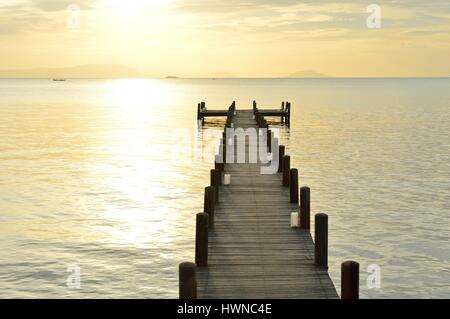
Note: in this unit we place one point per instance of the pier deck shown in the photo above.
(284, 112)
(252, 250)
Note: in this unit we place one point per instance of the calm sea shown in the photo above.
(106, 176)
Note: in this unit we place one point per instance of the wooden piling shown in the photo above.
(209, 204)
(293, 185)
(287, 119)
(281, 150)
(215, 182)
(218, 166)
(305, 207)
(187, 281)
(224, 146)
(203, 108)
(350, 280)
(201, 240)
(286, 170)
(321, 240)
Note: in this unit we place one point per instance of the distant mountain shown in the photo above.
(81, 71)
(307, 74)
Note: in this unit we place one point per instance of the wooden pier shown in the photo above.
(253, 238)
(284, 112)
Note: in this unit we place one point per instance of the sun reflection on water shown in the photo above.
(134, 173)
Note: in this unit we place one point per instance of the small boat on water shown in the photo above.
(59, 80)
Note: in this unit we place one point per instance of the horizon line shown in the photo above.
(224, 77)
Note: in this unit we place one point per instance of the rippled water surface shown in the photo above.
(109, 174)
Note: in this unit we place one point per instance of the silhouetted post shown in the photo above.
(305, 207)
(187, 281)
(286, 169)
(210, 203)
(281, 150)
(198, 112)
(269, 141)
(218, 166)
(293, 185)
(350, 280)
(321, 240)
(282, 109)
(201, 240)
(224, 145)
(203, 108)
(289, 114)
(215, 181)
(286, 114)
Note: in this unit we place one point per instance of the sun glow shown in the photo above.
(130, 8)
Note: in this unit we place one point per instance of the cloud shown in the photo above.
(60, 5)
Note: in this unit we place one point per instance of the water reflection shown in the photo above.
(109, 174)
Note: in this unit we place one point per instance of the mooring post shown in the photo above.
(201, 240)
(198, 112)
(305, 207)
(224, 145)
(281, 150)
(282, 111)
(269, 140)
(350, 280)
(217, 165)
(321, 240)
(187, 281)
(203, 108)
(293, 185)
(215, 182)
(286, 169)
(289, 114)
(210, 203)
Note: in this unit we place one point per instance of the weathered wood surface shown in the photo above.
(273, 112)
(253, 251)
(212, 113)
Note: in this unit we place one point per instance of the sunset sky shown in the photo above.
(241, 38)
